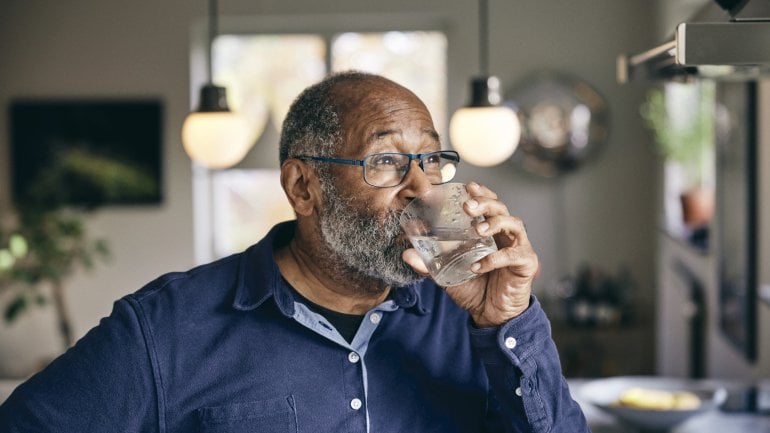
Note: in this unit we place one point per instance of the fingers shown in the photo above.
(484, 202)
(474, 189)
(412, 258)
(510, 234)
(485, 206)
(508, 230)
(520, 259)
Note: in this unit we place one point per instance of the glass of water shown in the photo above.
(444, 235)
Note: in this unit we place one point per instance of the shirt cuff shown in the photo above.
(514, 341)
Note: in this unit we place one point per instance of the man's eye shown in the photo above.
(432, 159)
(384, 161)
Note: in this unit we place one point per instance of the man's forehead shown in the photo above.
(379, 111)
(387, 129)
(373, 91)
(397, 133)
(385, 101)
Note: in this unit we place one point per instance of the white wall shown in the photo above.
(602, 214)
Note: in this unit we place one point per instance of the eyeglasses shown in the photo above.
(390, 168)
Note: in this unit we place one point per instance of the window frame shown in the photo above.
(327, 26)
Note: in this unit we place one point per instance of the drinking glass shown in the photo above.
(444, 235)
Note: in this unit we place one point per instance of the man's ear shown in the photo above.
(300, 184)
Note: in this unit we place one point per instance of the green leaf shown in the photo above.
(41, 300)
(14, 308)
(102, 248)
(6, 259)
(18, 245)
(86, 261)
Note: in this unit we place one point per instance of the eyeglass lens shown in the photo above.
(389, 169)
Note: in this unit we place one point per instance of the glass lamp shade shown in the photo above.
(485, 136)
(218, 139)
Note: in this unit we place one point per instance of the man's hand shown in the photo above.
(502, 290)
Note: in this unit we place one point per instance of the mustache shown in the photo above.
(393, 221)
(391, 227)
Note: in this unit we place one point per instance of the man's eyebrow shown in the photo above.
(432, 133)
(377, 135)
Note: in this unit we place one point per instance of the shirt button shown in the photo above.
(518, 391)
(510, 342)
(353, 357)
(375, 318)
(355, 404)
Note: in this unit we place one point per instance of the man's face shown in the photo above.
(359, 222)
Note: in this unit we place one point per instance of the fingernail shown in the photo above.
(475, 267)
(483, 227)
(473, 204)
(473, 184)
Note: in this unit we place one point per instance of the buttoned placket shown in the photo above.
(355, 350)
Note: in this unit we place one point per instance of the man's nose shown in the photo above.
(415, 182)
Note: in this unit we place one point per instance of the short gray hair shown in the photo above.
(312, 125)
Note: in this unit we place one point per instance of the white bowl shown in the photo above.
(604, 394)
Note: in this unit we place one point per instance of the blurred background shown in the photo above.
(631, 288)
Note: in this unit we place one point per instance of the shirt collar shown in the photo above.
(260, 279)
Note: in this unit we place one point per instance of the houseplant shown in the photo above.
(43, 239)
(39, 251)
(681, 117)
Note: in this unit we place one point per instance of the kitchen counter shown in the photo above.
(716, 421)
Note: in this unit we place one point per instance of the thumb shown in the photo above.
(413, 259)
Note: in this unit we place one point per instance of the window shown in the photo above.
(264, 73)
(416, 60)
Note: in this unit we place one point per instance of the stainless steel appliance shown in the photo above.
(726, 39)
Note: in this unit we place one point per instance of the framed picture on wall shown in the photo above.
(86, 152)
(737, 214)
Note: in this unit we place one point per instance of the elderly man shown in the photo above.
(328, 324)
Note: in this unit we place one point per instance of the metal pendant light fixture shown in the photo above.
(484, 132)
(213, 135)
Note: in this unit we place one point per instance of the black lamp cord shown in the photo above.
(212, 34)
(484, 37)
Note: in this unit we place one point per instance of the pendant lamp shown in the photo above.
(213, 135)
(484, 132)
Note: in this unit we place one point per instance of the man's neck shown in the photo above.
(333, 290)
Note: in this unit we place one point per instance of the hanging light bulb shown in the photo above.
(213, 135)
(484, 132)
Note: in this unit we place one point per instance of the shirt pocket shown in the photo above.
(276, 415)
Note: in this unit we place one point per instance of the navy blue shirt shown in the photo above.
(225, 347)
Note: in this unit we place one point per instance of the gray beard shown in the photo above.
(363, 247)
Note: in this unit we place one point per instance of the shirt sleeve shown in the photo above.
(104, 383)
(525, 375)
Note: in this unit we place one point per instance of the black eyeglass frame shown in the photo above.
(445, 154)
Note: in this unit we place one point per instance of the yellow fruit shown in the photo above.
(658, 399)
